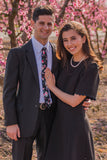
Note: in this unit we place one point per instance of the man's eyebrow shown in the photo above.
(49, 22)
(41, 22)
(44, 22)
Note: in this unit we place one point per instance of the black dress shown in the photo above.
(71, 137)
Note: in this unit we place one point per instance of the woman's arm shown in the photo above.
(72, 100)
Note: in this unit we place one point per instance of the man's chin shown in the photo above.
(45, 37)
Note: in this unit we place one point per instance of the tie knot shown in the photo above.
(44, 49)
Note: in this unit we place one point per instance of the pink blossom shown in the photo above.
(103, 56)
(67, 15)
(72, 18)
(56, 32)
(29, 36)
(21, 3)
(74, 4)
(21, 28)
(0, 40)
(1, 46)
(29, 28)
(3, 63)
(104, 52)
(9, 32)
(100, 49)
(51, 1)
(10, 9)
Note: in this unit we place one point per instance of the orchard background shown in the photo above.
(16, 29)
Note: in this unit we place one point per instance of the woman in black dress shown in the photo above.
(71, 137)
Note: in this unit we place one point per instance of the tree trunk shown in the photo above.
(11, 18)
(24, 35)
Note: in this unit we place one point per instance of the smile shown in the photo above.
(45, 32)
(71, 49)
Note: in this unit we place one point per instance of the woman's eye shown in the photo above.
(64, 40)
(73, 38)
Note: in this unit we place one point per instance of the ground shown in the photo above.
(97, 114)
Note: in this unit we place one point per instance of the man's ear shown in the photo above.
(32, 23)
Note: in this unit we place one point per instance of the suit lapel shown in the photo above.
(31, 58)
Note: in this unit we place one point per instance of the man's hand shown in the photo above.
(86, 104)
(13, 131)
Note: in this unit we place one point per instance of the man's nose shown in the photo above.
(46, 26)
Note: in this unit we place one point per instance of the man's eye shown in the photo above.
(49, 24)
(42, 23)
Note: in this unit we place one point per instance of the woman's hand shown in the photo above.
(86, 104)
(50, 78)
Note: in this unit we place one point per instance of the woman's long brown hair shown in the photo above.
(64, 55)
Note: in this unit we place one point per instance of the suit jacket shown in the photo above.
(21, 88)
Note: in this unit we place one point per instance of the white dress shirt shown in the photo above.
(37, 47)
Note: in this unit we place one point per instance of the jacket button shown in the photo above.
(35, 105)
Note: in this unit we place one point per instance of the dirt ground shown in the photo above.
(97, 114)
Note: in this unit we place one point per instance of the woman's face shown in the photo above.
(73, 42)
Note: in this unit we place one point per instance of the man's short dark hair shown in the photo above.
(42, 10)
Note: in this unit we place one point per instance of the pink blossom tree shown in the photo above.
(94, 17)
(15, 20)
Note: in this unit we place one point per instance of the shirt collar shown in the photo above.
(38, 46)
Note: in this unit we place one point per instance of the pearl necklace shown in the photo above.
(76, 64)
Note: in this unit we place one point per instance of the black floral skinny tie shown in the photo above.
(44, 65)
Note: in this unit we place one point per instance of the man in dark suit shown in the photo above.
(27, 116)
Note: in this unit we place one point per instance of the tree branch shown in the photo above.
(3, 14)
(3, 23)
(87, 30)
(4, 49)
(62, 11)
(5, 5)
(29, 10)
(18, 34)
(15, 8)
(48, 2)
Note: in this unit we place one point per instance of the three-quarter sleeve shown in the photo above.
(88, 83)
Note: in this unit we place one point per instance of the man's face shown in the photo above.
(43, 28)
